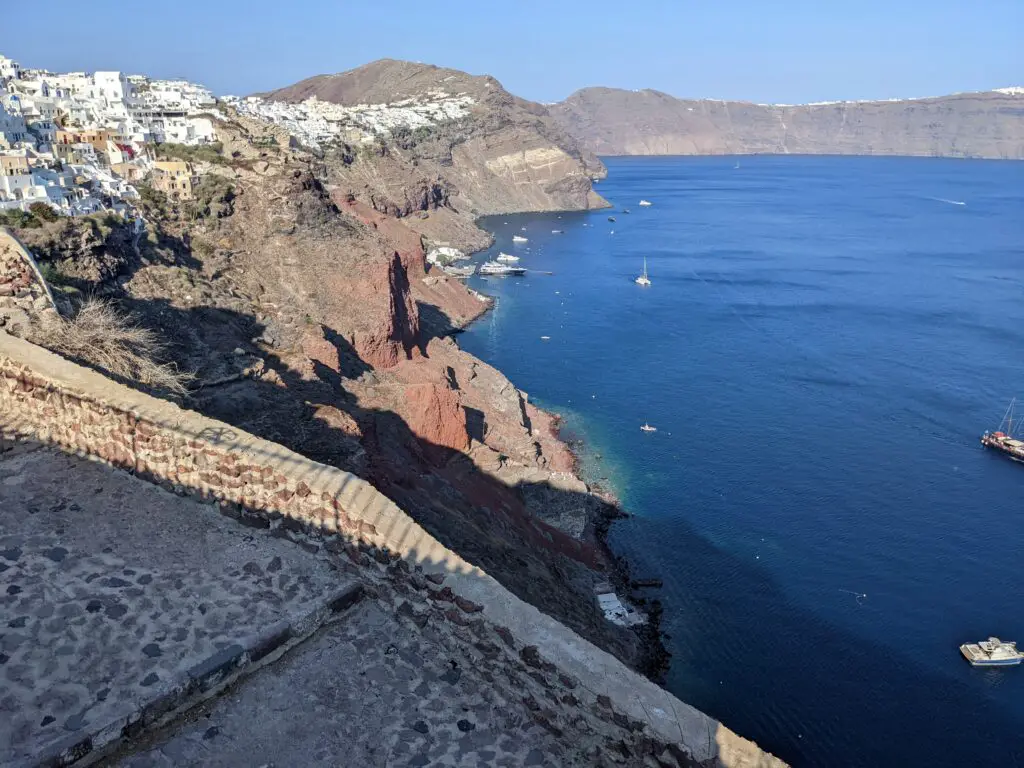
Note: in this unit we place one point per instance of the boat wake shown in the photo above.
(948, 202)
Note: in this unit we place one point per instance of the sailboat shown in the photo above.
(643, 279)
(1005, 441)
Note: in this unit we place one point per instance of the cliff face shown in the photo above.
(506, 155)
(615, 122)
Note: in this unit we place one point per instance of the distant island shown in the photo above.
(610, 121)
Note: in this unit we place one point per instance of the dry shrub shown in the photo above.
(106, 339)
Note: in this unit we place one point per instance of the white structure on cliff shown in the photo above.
(314, 122)
(74, 140)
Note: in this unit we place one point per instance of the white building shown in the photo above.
(13, 130)
(9, 69)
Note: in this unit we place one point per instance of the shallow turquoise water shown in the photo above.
(823, 343)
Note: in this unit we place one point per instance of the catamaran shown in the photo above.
(643, 279)
(992, 653)
(1005, 441)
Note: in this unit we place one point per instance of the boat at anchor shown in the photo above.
(643, 279)
(992, 653)
(1005, 441)
(497, 269)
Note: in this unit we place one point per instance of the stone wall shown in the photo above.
(46, 398)
(23, 291)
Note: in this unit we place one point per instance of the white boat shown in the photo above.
(992, 653)
(556, 231)
(648, 428)
(646, 203)
(497, 269)
(507, 257)
(643, 279)
(520, 239)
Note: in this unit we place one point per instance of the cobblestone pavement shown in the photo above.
(368, 692)
(111, 589)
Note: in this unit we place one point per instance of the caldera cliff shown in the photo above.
(610, 121)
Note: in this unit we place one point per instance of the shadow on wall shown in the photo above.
(310, 412)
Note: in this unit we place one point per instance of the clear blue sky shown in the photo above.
(761, 50)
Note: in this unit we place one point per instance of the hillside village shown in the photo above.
(80, 143)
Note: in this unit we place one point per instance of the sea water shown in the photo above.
(824, 341)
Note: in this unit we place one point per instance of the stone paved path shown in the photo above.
(368, 692)
(112, 589)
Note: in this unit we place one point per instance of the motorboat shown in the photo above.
(497, 269)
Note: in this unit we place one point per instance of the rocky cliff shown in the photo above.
(308, 315)
(616, 122)
(505, 155)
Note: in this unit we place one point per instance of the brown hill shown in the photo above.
(608, 121)
(508, 155)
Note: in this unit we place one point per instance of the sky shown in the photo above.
(768, 51)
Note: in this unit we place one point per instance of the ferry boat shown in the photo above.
(646, 203)
(1005, 441)
(497, 269)
(520, 239)
(643, 279)
(507, 257)
(992, 653)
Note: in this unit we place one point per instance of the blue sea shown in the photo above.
(824, 342)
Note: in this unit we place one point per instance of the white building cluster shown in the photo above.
(77, 140)
(314, 122)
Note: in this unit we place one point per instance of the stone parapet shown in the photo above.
(23, 291)
(46, 398)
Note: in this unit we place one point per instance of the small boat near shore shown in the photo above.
(497, 269)
(1005, 442)
(507, 257)
(992, 653)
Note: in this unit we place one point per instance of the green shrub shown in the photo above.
(198, 153)
(43, 212)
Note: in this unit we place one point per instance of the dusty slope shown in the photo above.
(508, 155)
(616, 122)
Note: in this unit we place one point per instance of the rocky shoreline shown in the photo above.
(654, 658)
